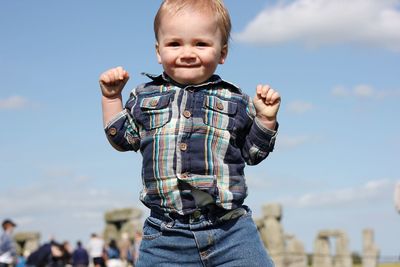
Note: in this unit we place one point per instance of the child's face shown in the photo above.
(189, 46)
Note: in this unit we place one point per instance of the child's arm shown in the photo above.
(111, 83)
(267, 102)
(259, 141)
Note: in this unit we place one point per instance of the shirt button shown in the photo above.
(154, 102)
(112, 131)
(220, 106)
(187, 114)
(184, 175)
(183, 146)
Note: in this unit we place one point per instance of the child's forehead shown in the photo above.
(190, 24)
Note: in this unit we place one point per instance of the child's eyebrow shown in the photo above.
(203, 39)
(169, 39)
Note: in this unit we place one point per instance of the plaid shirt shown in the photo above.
(195, 136)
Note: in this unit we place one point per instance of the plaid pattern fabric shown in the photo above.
(198, 136)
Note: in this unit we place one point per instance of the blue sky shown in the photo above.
(335, 62)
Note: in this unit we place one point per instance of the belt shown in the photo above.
(211, 212)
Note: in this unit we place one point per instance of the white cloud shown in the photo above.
(318, 22)
(299, 107)
(364, 91)
(14, 102)
(370, 191)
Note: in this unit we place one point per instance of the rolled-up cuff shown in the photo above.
(263, 137)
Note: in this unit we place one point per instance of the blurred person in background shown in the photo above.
(51, 254)
(8, 252)
(125, 247)
(96, 250)
(113, 255)
(80, 256)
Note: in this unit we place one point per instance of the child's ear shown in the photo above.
(224, 54)
(158, 53)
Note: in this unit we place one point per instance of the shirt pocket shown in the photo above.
(155, 111)
(219, 113)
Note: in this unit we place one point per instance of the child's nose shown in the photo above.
(187, 53)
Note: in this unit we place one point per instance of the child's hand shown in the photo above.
(266, 102)
(113, 81)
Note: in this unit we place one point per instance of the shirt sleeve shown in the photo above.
(260, 140)
(122, 131)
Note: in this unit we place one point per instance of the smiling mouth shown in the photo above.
(188, 66)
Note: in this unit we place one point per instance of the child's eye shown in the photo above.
(201, 44)
(173, 44)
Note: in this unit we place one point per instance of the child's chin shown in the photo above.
(190, 79)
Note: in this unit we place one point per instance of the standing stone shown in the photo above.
(110, 232)
(343, 255)
(295, 254)
(322, 251)
(121, 221)
(272, 233)
(370, 250)
(27, 242)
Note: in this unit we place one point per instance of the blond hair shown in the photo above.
(217, 7)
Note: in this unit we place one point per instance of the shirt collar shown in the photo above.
(213, 80)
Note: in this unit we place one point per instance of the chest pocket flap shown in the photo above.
(219, 113)
(155, 102)
(220, 105)
(155, 111)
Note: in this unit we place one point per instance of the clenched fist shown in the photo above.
(113, 81)
(266, 102)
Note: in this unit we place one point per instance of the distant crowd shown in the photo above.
(97, 253)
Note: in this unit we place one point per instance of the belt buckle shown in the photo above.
(195, 216)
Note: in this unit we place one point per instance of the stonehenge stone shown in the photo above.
(111, 232)
(120, 221)
(119, 216)
(295, 255)
(272, 233)
(343, 255)
(27, 242)
(322, 250)
(287, 251)
(370, 250)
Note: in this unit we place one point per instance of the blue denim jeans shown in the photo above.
(202, 242)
